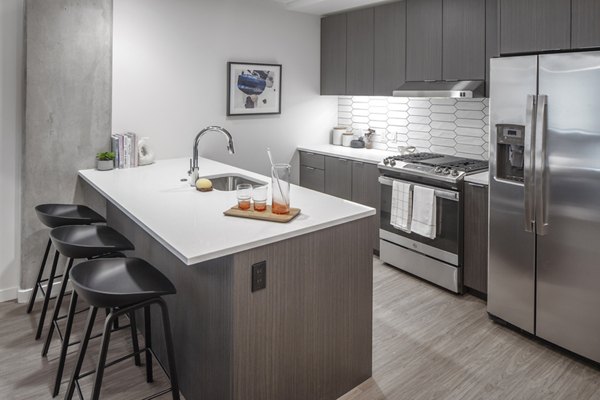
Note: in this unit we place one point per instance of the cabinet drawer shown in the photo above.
(312, 178)
(312, 160)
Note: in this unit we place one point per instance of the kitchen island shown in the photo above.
(306, 335)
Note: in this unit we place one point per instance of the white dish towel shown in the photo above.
(424, 212)
(401, 205)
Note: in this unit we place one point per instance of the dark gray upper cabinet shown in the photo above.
(528, 26)
(390, 48)
(338, 177)
(333, 55)
(365, 190)
(359, 53)
(585, 17)
(464, 39)
(423, 40)
(492, 47)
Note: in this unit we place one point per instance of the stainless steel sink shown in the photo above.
(228, 183)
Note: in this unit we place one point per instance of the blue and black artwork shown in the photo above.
(253, 83)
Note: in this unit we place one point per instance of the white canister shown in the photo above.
(346, 139)
(338, 132)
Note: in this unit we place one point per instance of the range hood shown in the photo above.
(456, 89)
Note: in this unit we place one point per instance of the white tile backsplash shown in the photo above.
(447, 126)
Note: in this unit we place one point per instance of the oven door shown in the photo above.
(445, 247)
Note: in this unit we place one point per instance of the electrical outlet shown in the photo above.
(259, 276)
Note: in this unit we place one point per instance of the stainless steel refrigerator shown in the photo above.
(544, 243)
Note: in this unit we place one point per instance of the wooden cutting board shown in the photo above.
(266, 215)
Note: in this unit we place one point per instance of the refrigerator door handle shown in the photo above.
(541, 197)
(528, 161)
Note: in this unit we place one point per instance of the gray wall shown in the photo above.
(170, 77)
(68, 103)
(11, 131)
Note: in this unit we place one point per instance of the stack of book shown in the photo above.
(125, 146)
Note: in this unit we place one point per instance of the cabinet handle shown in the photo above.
(358, 163)
(343, 160)
(479, 185)
(311, 168)
(309, 154)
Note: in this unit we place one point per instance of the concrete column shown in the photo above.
(68, 108)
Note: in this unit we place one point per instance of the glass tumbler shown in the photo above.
(259, 197)
(280, 174)
(244, 195)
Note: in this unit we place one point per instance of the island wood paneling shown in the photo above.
(308, 335)
(200, 312)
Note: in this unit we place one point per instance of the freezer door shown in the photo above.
(568, 257)
(511, 273)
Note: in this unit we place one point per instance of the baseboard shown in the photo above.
(24, 294)
(8, 294)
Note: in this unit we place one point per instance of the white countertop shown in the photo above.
(191, 224)
(365, 155)
(482, 178)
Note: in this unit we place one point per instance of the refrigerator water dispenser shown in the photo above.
(510, 149)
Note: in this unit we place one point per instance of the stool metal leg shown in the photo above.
(40, 327)
(57, 305)
(148, 338)
(134, 338)
(108, 325)
(65, 344)
(39, 278)
(82, 349)
(170, 350)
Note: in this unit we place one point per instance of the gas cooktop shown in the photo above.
(438, 166)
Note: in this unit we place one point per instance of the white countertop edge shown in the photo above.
(482, 178)
(375, 157)
(235, 249)
(264, 242)
(137, 221)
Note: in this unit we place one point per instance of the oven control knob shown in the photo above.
(438, 170)
(392, 163)
(446, 171)
(454, 172)
(386, 161)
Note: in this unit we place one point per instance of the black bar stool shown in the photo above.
(82, 242)
(55, 215)
(124, 285)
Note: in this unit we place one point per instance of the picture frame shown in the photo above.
(253, 88)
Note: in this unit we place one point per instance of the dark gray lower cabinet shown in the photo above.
(338, 177)
(365, 190)
(312, 178)
(476, 237)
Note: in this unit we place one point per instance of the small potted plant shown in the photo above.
(105, 161)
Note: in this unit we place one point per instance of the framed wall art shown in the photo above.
(253, 89)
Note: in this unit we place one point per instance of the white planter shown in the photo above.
(105, 165)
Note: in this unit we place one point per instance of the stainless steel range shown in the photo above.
(436, 257)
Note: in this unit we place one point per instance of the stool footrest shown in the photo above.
(118, 360)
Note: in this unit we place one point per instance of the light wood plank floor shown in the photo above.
(428, 344)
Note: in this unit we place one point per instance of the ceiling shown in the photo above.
(323, 7)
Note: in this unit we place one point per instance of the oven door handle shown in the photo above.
(444, 194)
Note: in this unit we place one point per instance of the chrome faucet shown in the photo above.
(193, 172)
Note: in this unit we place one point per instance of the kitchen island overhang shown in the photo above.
(307, 335)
